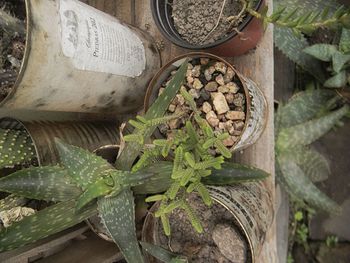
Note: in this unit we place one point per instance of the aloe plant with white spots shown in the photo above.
(304, 119)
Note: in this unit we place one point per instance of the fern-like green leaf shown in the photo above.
(166, 224)
(44, 223)
(50, 183)
(118, 217)
(192, 217)
(300, 186)
(308, 132)
(163, 254)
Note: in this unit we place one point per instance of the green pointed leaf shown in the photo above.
(162, 254)
(12, 201)
(118, 217)
(322, 52)
(301, 187)
(337, 81)
(83, 166)
(157, 109)
(344, 44)
(308, 132)
(42, 224)
(50, 183)
(339, 60)
(303, 106)
(314, 165)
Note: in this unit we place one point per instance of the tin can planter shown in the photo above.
(248, 209)
(235, 43)
(229, 101)
(79, 59)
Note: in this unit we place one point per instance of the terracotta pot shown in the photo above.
(256, 107)
(234, 44)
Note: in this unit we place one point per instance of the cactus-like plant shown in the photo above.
(303, 120)
(16, 148)
(339, 58)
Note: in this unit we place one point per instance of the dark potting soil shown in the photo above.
(196, 20)
(222, 241)
(12, 46)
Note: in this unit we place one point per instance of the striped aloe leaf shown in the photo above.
(118, 217)
(82, 166)
(308, 132)
(158, 109)
(163, 254)
(44, 223)
(49, 183)
(301, 187)
(16, 148)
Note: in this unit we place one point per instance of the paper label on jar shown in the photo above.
(97, 42)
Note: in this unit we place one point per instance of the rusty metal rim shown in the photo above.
(151, 85)
(25, 57)
(150, 221)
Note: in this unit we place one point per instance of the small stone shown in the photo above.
(174, 124)
(220, 80)
(220, 103)
(212, 119)
(197, 84)
(223, 89)
(189, 73)
(189, 80)
(238, 109)
(221, 67)
(230, 243)
(235, 115)
(238, 125)
(204, 61)
(233, 87)
(236, 133)
(239, 100)
(208, 73)
(180, 99)
(194, 93)
(222, 117)
(196, 71)
(189, 66)
(207, 107)
(229, 98)
(205, 94)
(172, 107)
(229, 75)
(211, 86)
(161, 91)
(228, 142)
(176, 246)
(222, 126)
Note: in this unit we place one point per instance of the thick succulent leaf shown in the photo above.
(322, 52)
(157, 109)
(337, 81)
(83, 166)
(118, 217)
(308, 132)
(50, 183)
(12, 201)
(300, 186)
(303, 106)
(163, 254)
(344, 44)
(339, 60)
(314, 165)
(44, 223)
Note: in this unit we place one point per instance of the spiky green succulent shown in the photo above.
(16, 148)
(304, 119)
(339, 58)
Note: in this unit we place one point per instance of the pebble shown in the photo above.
(211, 86)
(222, 126)
(220, 103)
(197, 84)
(235, 115)
(223, 89)
(233, 87)
(209, 72)
(196, 71)
(204, 61)
(229, 142)
(174, 124)
(161, 91)
(205, 94)
(220, 80)
(212, 119)
(207, 107)
(230, 243)
(189, 66)
(238, 125)
(239, 100)
(194, 93)
(172, 107)
(228, 77)
(190, 79)
(229, 98)
(180, 99)
(221, 67)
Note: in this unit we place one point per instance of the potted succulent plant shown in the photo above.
(86, 184)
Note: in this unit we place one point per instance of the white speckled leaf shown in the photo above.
(162, 254)
(118, 216)
(83, 166)
(300, 186)
(42, 224)
(50, 183)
